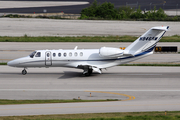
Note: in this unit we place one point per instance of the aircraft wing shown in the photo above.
(86, 68)
(96, 69)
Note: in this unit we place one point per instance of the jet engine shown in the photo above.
(110, 52)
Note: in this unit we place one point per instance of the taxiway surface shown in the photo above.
(149, 88)
(50, 27)
(17, 6)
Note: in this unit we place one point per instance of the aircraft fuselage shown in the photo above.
(70, 58)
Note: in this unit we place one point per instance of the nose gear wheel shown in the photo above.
(24, 72)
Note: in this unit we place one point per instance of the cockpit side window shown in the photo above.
(32, 54)
(38, 54)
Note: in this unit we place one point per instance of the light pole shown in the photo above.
(163, 6)
(137, 5)
(176, 9)
(150, 6)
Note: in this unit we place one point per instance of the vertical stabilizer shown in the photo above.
(147, 41)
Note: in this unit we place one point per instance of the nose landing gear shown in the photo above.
(24, 72)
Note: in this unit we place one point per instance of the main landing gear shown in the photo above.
(88, 72)
(24, 72)
(87, 69)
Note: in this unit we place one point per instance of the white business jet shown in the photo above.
(92, 59)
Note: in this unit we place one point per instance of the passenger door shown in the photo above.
(48, 58)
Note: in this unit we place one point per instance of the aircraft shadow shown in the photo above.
(63, 75)
(70, 74)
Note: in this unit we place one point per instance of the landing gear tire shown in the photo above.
(89, 72)
(24, 72)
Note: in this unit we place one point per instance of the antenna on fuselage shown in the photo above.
(76, 48)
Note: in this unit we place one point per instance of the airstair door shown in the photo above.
(48, 58)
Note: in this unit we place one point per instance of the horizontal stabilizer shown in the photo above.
(166, 28)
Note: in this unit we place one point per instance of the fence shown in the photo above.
(172, 9)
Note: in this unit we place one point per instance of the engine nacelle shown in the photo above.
(110, 52)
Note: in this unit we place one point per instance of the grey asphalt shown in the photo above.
(150, 88)
(75, 108)
(27, 4)
(52, 27)
(145, 5)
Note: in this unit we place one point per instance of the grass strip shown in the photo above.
(171, 115)
(26, 38)
(3, 63)
(8, 102)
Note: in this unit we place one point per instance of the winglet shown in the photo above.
(76, 48)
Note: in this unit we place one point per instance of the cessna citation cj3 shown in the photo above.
(93, 59)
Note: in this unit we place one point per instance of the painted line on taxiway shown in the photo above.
(129, 96)
(6, 59)
(142, 74)
(82, 90)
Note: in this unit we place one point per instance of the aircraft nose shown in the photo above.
(12, 63)
(17, 62)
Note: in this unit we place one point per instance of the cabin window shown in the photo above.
(70, 54)
(54, 54)
(75, 54)
(81, 54)
(47, 54)
(38, 54)
(65, 54)
(32, 54)
(59, 54)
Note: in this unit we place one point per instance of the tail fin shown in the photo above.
(147, 41)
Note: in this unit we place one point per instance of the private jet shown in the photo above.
(90, 60)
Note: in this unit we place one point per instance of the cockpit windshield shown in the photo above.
(32, 54)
